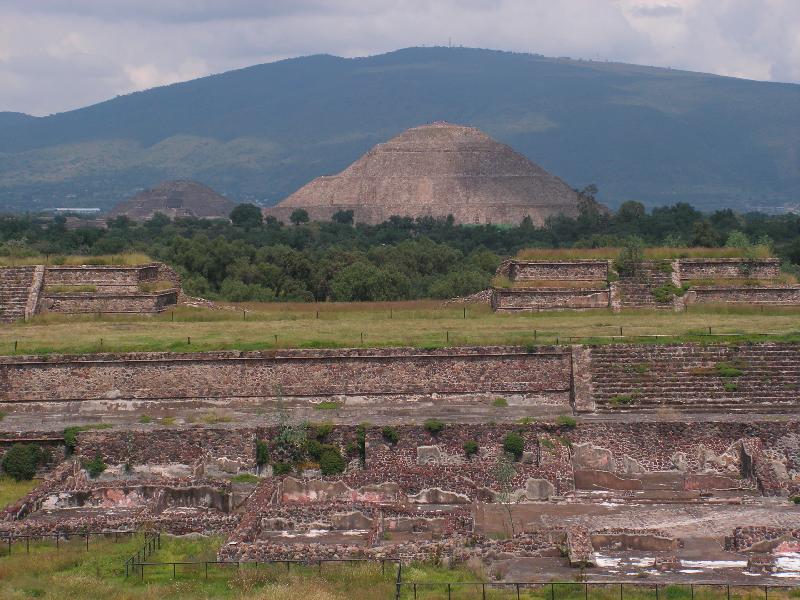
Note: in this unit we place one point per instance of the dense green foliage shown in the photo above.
(21, 461)
(514, 445)
(331, 461)
(470, 448)
(95, 467)
(262, 453)
(260, 133)
(433, 426)
(396, 260)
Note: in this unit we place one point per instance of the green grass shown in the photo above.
(421, 324)
(327, 405)
(69, 289)
(74, 572)
(12, 490)
(127, 259)
(500, 403)
(245, 478)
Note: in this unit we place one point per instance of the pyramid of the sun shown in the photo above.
(436, 170)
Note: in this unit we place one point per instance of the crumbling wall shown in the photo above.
(320, 374)
(548, 299)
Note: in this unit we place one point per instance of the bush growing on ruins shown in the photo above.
(95, 467)
(795, 499)
(728, 370)
(21, 461)
(500, 403)
(145, 419)
(630, 257)
(244, 478)
(566, 421)
(470, 448)
(361, 441)
(327, 405)
(281, 468)
(314, 448)
(262, 453)
(433, 426)
(390, 434)
(320, 431)
(730, 386)
(331, 462)
(71, 438)
(622, 400)
(299, 215)
(514, 445)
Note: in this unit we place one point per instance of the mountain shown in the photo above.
(8, 119)
(260, 133)
(438, 169)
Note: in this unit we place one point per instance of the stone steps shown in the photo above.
(15, 284)
(685, 378)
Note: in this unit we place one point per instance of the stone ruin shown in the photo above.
(673, 285)
(664, 471)
(26, 291)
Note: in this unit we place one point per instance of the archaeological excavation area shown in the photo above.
(615, 462)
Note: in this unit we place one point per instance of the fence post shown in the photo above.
(483, 591)
(206, 570)
(87, 541)
(449, 597)
(516, 584)
(173, 570)
(28, 545)
(620, 591)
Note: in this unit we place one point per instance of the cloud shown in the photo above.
(61, 54)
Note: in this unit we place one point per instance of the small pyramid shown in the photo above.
(175, 199)
(437, 170)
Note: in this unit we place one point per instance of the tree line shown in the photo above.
(249, 258)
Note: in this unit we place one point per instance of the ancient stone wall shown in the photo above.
(744, 295)
(729, 268)
(105, 278)
(578, 270)
(292, 374)
(548, 299)
(108, 302)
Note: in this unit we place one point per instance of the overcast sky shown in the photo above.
(56, 55)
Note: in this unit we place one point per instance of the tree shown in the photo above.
(514, 445)
(21, 461)
(331, 461)
(504, 473)
(704, 234)
(345, 217)
(630, 257)
(737, 239)
(299, 215)
(247, 215)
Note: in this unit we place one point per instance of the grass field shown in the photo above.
(72, 571)
(422, 324)
(129, 259)
(11, 490)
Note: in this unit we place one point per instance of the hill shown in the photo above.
(260, 133)
(436, 170)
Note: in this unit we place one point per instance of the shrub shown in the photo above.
(145, 419)
(320, 431)
(95, 466)
(361, 440)
(434, 426)
(390, 435)
(470, 448)
(71, 438)
(730, 386)
(281, 468)
(622, 400)
(566, 421)
(500, 402)
(514, 445)
(314, 448)
(21, 461)
(262, 453)
(546, 443)
(331, 462)
(630, 257)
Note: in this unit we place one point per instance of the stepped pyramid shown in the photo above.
(437, 170)
(175, 199)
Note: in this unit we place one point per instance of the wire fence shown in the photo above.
(595, 590)
(136, 565)
(152, 542)
(8, 541)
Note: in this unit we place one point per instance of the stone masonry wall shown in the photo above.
(744, 295)
(729, 268)
(298, 373)
(544, 299)
(108, 302)
(578, 270)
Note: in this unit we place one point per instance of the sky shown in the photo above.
(57, 55)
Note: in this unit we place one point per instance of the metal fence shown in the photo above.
(9, 540)
(152, 542)
(136, 565)
(605, 590)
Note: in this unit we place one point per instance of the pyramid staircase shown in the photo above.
(759, 378)
(15, 285)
